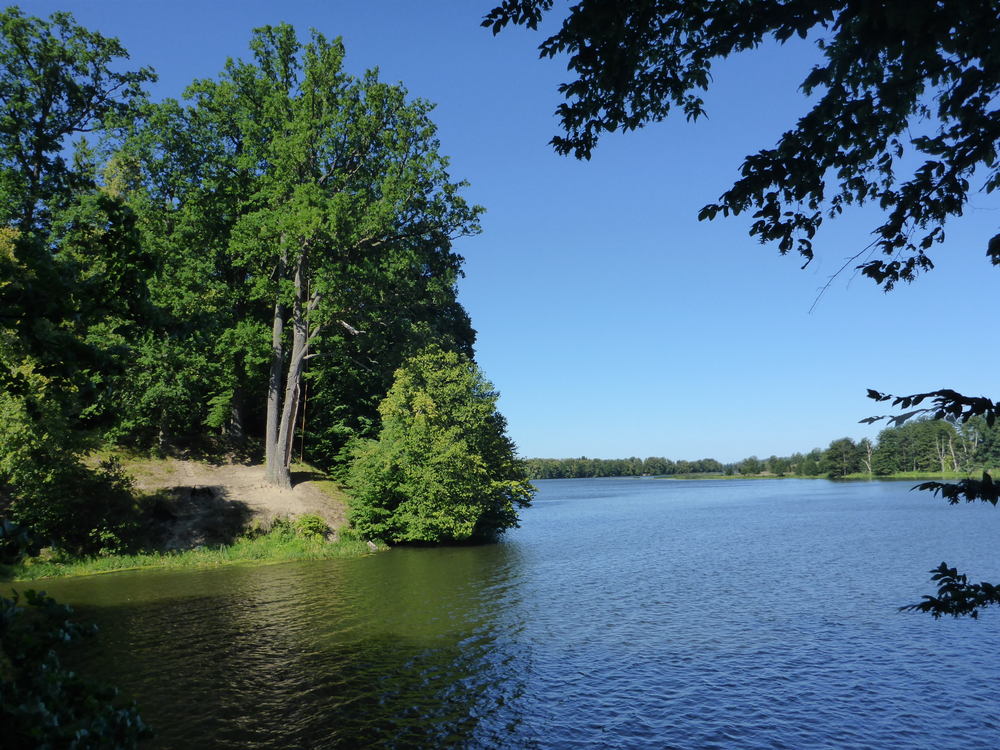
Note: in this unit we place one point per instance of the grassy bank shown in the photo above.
(283, 542)
(952, 475)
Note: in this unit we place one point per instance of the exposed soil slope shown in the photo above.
(209, 503)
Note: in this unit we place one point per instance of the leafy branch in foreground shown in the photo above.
(902, 115)
(42, 704)
(948, 404)
(970, 490)
(956, 596)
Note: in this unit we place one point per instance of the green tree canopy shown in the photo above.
(352, 205)
(889, 67)
(302, 218)
(443, 468)
(72, 272)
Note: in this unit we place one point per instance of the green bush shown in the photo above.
(443, 468)
(312, 527)
(89, 511)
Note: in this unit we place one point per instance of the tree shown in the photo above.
(841, 458)
(302, 219)
(352, 203)
(890, 67)
(70, 254)
(866, 453)
(72, 272)
(58, 81)
(443, 468)
(178, 169)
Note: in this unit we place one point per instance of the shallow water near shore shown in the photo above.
(622, 614)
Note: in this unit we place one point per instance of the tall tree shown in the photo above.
(352, 196)
(57, 82)
(180, 169)
(890, 66)
(300, 215)
(72, 271)
(841, 458)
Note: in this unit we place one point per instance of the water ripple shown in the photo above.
(623, 614)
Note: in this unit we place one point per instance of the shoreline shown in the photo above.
(217, 512)
(898, 477)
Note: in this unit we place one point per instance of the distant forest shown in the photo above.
(922, 445)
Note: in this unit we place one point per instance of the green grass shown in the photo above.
(281, 544)
(915, 475)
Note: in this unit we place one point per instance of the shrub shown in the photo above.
(443, 468)
(312, 527)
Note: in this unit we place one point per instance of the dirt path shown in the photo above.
(206, 500)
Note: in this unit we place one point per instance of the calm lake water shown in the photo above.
(622, 614)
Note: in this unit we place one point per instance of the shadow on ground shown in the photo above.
(187, 517)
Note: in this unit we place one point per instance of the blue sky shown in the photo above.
(613, 323)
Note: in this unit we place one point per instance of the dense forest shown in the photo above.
(248, 267)
(924, 445)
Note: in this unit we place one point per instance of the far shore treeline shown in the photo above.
(921, 446)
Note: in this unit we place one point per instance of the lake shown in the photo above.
(624, 613)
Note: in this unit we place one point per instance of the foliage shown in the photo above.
(312, 527)
(583, 467)
(889, 68)
(947, 404)
(956, 596)
(300, 215)
(58, 80)
(72, 276)
(18, 541)
(443, 468)
(46, 483)
(42, 704)
(751, 466)
(73, 258)
(970, 490)
(73, 506)
(841, 458)
(286, 191)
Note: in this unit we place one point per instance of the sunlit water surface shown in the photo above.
(622, 614)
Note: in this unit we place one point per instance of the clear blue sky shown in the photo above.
(613, 323)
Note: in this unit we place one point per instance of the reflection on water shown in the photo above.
(349, 653)
(625, 613)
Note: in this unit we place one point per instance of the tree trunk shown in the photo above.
(237, 416)
(272, 461)
(280, 432)
(237, 428)
(300, 335)
(163, 437)
(941, 453)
